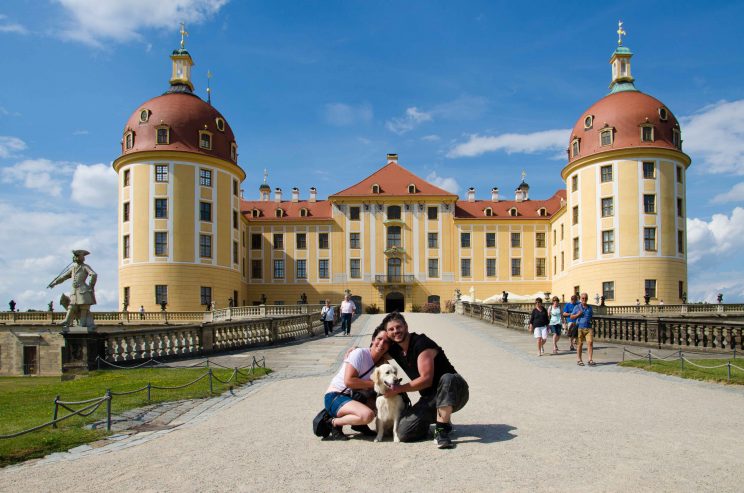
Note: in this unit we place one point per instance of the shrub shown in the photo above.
(432, 308)
(371, 309)
(415, 308)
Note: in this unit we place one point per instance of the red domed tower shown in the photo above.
(623, 234)
(179, 207)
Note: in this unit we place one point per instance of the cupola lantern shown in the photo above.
(182, 63)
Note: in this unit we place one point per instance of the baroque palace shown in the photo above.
(187, 236)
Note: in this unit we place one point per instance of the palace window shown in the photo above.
(676, 138)
(278, 241)
(647, 133)
(205, 295)
(608, 241)
(680, 241)
(411, 188)
(608, 290)
(432, 213)
(575, 183)
(323, 241)
(301, 241)
(205, 211)
(605, 137)
(354, 213)
(301, 269)
(542, 212)
(465, 240)
(561, 232)
(235, 219)
(649, 239)
(540, 267)
(679, 174)
(355, 268)
(125, 246)
(256, 241)
(649, 204)
(490, 267)
(540, 240)
(575, 215)
(205, 246)
(680, 208)
(161, 172)
(162, 135)
(394, 268)
(490, 240)
(606, 173)
(234, 152)
(576, 249)
(588, 122)
(129, 140)
(205, 177)
(278, 268)
(144, 116)
(161, 243)
(278, 212)
(375, 188)
(354, 240)
(161, 294)
(650, 287)
(434, 267)
(575, 148)
(516, 240)
(608, 207)
(304, 212)
(125, 212)
(127, 177)
(161, 208)
(255, 213)
(393, 212)
(513, 212)
(488, 211)
(663, 114)
(465, 267)
(432, 240)
(393, 236)
(323, 271)
(516, 267)
(649, 170)
(236, 260)
(220, 124)
(256, 269)
(205, 139)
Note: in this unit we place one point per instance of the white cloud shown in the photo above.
(7, 26)
(94, 186)
(410, 120)
(342, 115)
(10, 145)
(38, 174)
(546, 140)
(715, 135)
(430, 138)
(735, 194)
(448, 183)
(718, 238)
(93, 20)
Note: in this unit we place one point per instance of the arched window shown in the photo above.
(303, 212)
(375, 188)
(575, 148)
(542, 212)
(255, 213)
(128, 140)
(433, 299)
(605, 137)
(411, 188)
(488, 212)
(393, 237)
(393, 212)
(513, 212)
(279, 212)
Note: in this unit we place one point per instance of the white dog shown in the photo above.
(388, 408)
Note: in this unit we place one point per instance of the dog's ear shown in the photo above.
(376, 374)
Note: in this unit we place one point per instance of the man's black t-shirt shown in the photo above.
(409, 362)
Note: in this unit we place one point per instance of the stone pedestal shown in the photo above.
(82, 346)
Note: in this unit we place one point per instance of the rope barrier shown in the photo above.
(130, 392)
(181, 386)
(682, 361)
(225, 381)
(54, 421)
(706, 367)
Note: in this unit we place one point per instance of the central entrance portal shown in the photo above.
(394, 302)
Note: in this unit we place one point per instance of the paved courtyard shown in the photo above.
(531, 424)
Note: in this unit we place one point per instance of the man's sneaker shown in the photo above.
(337, 433)
(442, 439)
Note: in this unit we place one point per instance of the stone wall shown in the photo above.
(18, 341)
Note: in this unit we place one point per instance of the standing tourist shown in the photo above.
(571, 324)
(327, 316)
(582, 314)
(554, 311)
(142, 312)
(539, 325)
(348, 308)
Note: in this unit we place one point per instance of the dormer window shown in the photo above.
(220, 124)
(411, 188)
(542, 212)
(575, 148)
(513, 212)
(279, 212)
(663, 114)
(488, 212)
(677, 138)
(205, 139)
(162, 133)
(375, 188)
(129, 140)
(304, 212)
(647, 133)
(255, 213)
(144, 116)
(588, 122)
(605, 137)
(234, 152)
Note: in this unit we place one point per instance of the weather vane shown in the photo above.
(524, 174)
(184, 33)
(620, 33)
(209, 91)
(266, 174)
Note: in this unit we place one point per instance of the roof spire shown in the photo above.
(209, 90)
(266, 174)
(620, 33)
(620, 61)
(184, 33)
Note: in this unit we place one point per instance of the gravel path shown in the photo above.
(531, 424)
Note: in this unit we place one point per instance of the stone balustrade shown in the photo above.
(715, 335)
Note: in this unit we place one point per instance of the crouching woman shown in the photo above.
(355, 374)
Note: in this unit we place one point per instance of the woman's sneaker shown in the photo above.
(442, 439)
(337, 433)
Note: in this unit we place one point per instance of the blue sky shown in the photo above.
(468, 93)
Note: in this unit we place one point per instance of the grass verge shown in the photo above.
(674, 367)
(27, 402)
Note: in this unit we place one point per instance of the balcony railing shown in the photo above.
(399, 279)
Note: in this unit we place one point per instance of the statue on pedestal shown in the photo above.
(82, 295)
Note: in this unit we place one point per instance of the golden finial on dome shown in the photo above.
(184, 33)
(620, 33)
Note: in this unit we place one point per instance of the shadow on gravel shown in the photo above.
(489, 433)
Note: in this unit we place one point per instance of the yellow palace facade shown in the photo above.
(188, 237)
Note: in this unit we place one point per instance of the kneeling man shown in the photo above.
(443, 391)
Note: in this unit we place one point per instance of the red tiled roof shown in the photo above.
(527, 209)
(393, 179)
(320, 210)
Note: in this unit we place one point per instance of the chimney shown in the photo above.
(471, 194)
(277, 194)
(392, 158)
(495, 194)
(295, 194)
(313, 194)
(242, 193)
(519, 195)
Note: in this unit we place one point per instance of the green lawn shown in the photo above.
(673, 367)
(26, 402)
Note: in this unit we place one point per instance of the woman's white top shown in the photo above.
(361, 360)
